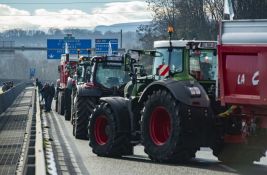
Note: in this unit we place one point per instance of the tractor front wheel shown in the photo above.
(84, 106)
(61, 103)
(104, 135)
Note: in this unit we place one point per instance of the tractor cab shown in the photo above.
(176, 55)
(187, 60)
(203, 65)
(203, 60)
(140, 65)
(108, 73)
(171, 62)
(84, 70)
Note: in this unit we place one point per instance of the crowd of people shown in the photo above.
(47, 92)
(7, 85)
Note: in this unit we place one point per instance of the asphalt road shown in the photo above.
(89, 163)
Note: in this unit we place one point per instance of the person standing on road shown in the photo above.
(40, 86)
(51, 95)
(45, 92)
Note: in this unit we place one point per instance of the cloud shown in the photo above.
(111, 13)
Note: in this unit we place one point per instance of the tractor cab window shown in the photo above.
(172, 57)
(80, 74)
(111, 75)
(203, 64)
(83, 73)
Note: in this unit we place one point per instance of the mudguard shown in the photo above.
(180, 90)
(121, 111)
(92, 92)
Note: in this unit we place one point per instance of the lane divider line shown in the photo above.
(73, 161)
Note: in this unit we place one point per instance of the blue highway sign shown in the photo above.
(102, 45)
(56, 47)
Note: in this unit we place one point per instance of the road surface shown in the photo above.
(74, 156)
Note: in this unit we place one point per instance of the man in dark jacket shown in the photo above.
(51, 95)
(46, 91)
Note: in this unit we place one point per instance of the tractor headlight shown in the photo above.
(194, 91)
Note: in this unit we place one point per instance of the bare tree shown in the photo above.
(250, 9)
(196, 18)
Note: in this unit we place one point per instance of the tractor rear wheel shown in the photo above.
(73, 108)
(104, 135)
(84, 107)
(61, 102)
(161, 129)
(67, 111)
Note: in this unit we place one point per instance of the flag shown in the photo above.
(66, 48)
(109, 49)
(228, 8)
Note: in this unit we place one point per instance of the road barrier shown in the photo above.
(8, 97)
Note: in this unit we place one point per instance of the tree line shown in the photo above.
(194, 19)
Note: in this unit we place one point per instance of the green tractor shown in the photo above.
(101, 76)
(165, 108)
(83, 75)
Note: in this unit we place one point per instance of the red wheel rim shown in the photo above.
(160, 125)
(100, 130)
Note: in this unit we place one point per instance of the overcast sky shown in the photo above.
(43, 14)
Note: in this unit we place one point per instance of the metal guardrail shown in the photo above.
(7, 98)
(13, 123)
(15, 81)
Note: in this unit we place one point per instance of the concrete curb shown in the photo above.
(39, 147)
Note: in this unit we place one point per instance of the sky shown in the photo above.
(45, 14)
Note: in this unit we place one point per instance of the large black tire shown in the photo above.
(56, 104)
(67, 111)
(104, 136)
(84, 107)
(61, 103)
(245, 153)
(73, 108)
(162, 130)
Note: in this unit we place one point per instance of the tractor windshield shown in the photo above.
(172, 57)
(111, 75)
(83, 73)
(203, 64)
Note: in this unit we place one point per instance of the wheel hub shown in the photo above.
(160, 125)
(101, 128)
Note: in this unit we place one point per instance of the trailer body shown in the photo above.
(242, 52)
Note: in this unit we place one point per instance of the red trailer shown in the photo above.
(242, 56)
(66, 70)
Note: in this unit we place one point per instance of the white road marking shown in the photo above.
(63, 136)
